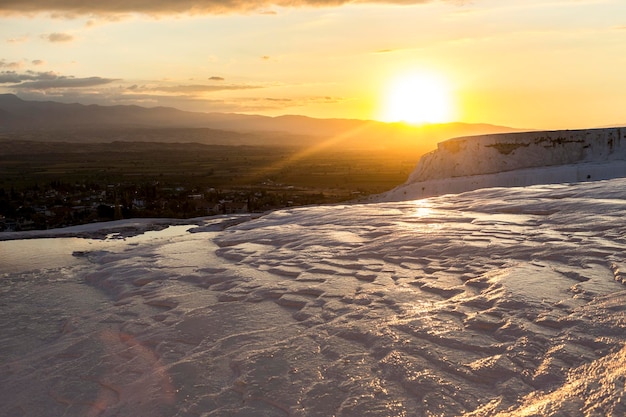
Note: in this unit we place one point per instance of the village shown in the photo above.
(51, 185)
(59, 204)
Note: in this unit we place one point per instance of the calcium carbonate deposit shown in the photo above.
(494, 302)
(517, 159)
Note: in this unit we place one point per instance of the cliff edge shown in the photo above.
(516, 159)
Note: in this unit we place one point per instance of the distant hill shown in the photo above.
(17, 115)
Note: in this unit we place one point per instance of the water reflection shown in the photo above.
(25, 255)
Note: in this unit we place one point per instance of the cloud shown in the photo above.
(65, 82)
(38, 62)
(202, 88)
(58, 37)
(9, 77)
(18, 40)
(188, 98)
(31, 80)
(279, 100)
(273, 103)
(81, 7)
(12, 65)
(114, 95)
(214, 95)
(14, 77)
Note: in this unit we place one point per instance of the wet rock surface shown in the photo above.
(493, 302)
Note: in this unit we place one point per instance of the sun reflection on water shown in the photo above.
(423, 208)
(423, 212)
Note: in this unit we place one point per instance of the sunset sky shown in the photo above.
(520, 63)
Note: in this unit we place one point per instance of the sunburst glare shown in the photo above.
(417, 98)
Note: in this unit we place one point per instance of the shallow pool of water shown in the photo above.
(51, 253)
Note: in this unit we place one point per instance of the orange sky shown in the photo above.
(528, 64)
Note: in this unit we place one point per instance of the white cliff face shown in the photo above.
(489, 154)
(517, 159)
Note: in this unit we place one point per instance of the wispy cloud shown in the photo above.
(203, 88)
(58, 37)
(27, 76)
(12, 65)
(64, 82)
(215, 94)
(69, 7)
(21, 39)
(265, 103)
(279, 100)
(32, 80)
(186, 98)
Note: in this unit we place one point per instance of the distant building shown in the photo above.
(234, 207)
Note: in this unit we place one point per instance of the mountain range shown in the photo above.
(45, 117)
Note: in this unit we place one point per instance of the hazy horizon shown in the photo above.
(401, 123)
(531, 65)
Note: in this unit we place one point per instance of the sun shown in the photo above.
(417, 98)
